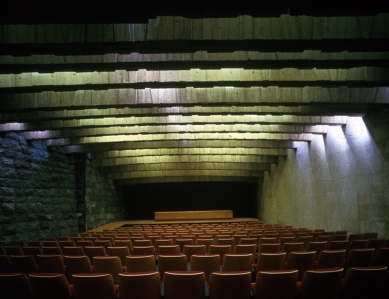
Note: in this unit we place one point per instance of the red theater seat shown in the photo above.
(50, 286)
(275, 284)
(145, 285)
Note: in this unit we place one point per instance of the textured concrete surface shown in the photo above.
(338, 181)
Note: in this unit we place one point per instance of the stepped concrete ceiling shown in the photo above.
(185, 94)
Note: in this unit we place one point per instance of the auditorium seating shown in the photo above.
(246, 248)
(92, 251)
(237, 262)
(84, 243)
(19, 243)
(184, 284)
(302, 261)
(382, 257)
(5, 264)
(75, 251)
(221, 250)
(364, 282)
(140, 263)
(51, 264)
(23, 263)
(206, 242)
(270, 261)
(15, 286)
(377, 243)
(141, 242)
(168, 249)
(356, 244)
(52, 250)
(289, 247)
(331, 259)
(92, 285)
(263, 248)
(316, 246)
(143, 250)
(359, 258)
(50, 238)
(275, 284)
(305, 240)
(77, 264)
(172, 262)
(337, 237)
(109, 264)
(229, 285)
(189, 250)
(145, 285)
(52, 243)
(361, 253)
(206, 263)
(121, 252)
(67, 243)
(321, 284)
(13, 250)
(34, 243)
(50, 286)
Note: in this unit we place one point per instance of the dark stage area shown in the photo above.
(141, 201)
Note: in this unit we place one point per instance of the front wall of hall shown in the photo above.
(338, 181)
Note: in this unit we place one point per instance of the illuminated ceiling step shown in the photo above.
(285, 27)
(172, 144)
(17, 66)
(43, 115)
(189, 166)
(175, 122)
(184, 65)
(197, 96)
(193, 75)
(170, 129)
(208, 172)
(187, 159)
(241, 26)
(189, 151)
(175, 179)
(181, 61)
(182, 137)
(199, 84)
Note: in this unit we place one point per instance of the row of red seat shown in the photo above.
(359, 283)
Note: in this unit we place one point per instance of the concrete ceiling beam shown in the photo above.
(184, 173)
(184, 144)
(189, 151)
(31, 118)
(250, 159)
(177, 137)
(196, 96)
(175, 179)
(227, 165)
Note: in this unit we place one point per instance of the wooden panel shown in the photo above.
(192, 215)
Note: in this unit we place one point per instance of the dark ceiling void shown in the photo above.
(142, 200)
(191, 46)
(125, 11)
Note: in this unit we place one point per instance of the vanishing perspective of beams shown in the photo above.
(181, 99)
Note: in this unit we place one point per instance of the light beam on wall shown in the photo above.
(356, 126)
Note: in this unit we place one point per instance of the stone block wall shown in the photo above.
(37, 190)
(44, 192)
(339, 181)
(103, 203)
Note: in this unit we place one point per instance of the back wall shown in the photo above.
(141, 201)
